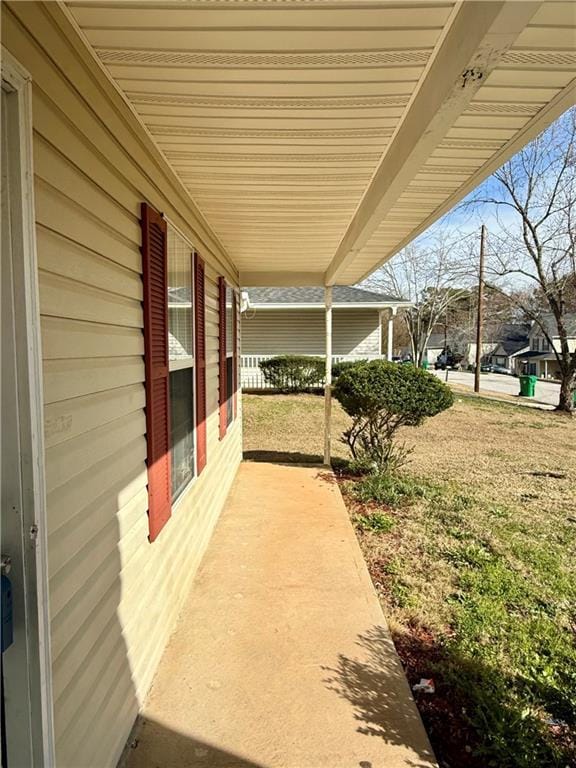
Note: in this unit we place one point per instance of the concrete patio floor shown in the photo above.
(281, 657)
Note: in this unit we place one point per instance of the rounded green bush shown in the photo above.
(402, 390)
(381, 397)
(345, 365)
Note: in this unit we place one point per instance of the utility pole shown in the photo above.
(446, 343)
(480, 313)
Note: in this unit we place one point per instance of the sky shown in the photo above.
(468, 216)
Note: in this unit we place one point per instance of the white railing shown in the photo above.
(251, 376)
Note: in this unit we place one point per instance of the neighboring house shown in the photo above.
(507, 342)
(434, 347)
(539, 358)
(438, 341)
(512, 342)
(291, 321)
(156, 157)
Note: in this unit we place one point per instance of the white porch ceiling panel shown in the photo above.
(319, 136)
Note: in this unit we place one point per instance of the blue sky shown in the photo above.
(465, 219)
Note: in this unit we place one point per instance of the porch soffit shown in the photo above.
(318, 137)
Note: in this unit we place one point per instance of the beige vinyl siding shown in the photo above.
(114, 597)
(287, 331)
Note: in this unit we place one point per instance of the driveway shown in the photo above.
(546, 391)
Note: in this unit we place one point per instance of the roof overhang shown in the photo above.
(335, 305)
(518, 352)
(318, 138)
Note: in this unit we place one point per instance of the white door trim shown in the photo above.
(18, 82)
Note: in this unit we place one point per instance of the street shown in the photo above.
(546, 391)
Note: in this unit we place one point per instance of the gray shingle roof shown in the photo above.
(552, 328)
(513, 337)
(342, 294)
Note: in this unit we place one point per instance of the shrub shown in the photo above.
(344, 365)
(381, 397)
(294, 373)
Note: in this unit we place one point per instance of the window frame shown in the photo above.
(232, 354)
(189, 362)
(227, 407)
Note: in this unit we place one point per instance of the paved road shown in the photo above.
(546, 391)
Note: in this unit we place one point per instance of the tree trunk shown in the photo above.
(566, 401)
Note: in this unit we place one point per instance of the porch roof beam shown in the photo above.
(471, 45)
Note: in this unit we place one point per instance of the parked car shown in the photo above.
(448, 359)
(502, 369)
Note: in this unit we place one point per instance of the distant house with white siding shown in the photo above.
(540, 358)
(290, 321)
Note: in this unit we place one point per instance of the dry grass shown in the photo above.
(289, 427)
(477, 441)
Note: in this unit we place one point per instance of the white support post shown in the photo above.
(390, 346)
(328, 375)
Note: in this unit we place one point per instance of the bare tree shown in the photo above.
(534, 249)
(425, 274)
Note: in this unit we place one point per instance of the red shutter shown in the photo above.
(222, 356)
(200, 360)
(235, 362)
(156, 368)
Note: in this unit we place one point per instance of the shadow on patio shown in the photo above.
(281, 657)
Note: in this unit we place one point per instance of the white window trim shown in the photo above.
(231, 353)
(187, 362)
(19, 82)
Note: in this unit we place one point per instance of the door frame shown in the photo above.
(18, 83)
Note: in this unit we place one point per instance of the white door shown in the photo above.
(26, 698)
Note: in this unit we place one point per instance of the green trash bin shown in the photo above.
(425, 364)
(528, 385)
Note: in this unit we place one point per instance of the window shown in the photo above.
(545, 345)
(175, 364)
(230, 353)
(181, 361)
(227, 354)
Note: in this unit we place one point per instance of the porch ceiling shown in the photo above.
(320, 136)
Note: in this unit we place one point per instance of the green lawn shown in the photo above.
(473, 555)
